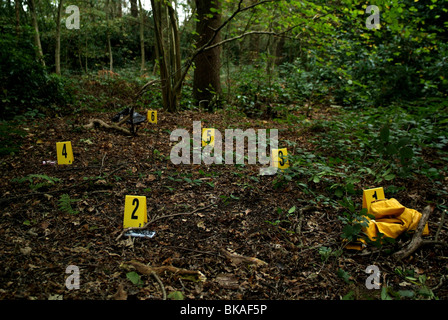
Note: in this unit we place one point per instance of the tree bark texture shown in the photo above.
(40, 53)
(57, 54)
(206, 82)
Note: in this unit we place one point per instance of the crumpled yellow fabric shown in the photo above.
(392, 219)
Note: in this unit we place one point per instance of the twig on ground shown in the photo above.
(148, 270)
(298, 228)
(160, 284)
(416, 240)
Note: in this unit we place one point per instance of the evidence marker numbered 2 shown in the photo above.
(135, 212)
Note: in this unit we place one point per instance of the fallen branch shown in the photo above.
(238, 259)
(144, 269)
(103, 124)
(416, 240)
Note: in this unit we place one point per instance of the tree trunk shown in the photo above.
(31, 5)
(134, 9)
(119, 9)
(18, 5)
(142, 36)
(206, 82)
(57, 54)
(168, 53)
(109, 46)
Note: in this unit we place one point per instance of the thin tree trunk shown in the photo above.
(18, 5)
(40, 53)
(109, 46)
(168, 53)
(57, 54)
(142, 37)
(119, 8)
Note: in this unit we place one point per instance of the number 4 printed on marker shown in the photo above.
(64, 152)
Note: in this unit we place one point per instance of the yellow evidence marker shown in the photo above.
(280, 158)
(135, 212)
(208, 137)
(152, 116)
(370, 195)
(64, 152)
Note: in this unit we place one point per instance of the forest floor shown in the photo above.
(203, 217)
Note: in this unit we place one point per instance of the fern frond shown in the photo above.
(65, 204)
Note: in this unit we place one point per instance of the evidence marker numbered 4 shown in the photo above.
(64, 152)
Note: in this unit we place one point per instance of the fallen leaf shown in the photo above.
(140, 185)
(25, 251)
(227, 280)
(120, 294)
(80, 250)
(201, 225)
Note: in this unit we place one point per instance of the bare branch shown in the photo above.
(247, 34)
(416, 241)
(210, 41)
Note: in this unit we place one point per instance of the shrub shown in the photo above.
(24, 82)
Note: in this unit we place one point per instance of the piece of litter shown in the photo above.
(49, 162)
(140, 233)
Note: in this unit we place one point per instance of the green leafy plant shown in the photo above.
(135, 278)
(353, 221)
(419, 289)
(65, 204)
(175, 295)
(38, 181)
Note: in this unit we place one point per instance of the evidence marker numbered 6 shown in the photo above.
(135, 212)
(64, 152)
(152, 116)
